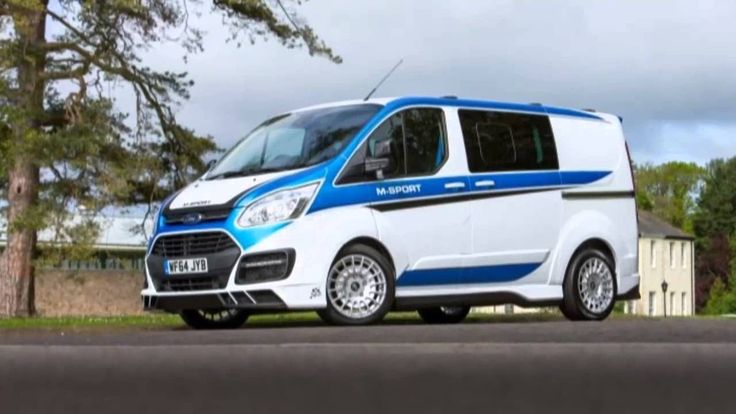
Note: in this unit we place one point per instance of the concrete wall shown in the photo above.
(99, 293)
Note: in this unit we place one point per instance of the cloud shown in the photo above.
(666, 66)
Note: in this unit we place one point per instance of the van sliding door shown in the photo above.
(517, 202)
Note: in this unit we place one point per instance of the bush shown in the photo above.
(722, 297)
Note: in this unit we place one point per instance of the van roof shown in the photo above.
(472, 103)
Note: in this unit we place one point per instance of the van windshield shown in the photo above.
(294, 140)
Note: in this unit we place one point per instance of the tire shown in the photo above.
(444, 314)
(215, 319)
(590, 286)
(360, 275)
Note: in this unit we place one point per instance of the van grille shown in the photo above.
(192, 244)
(192, 283)
(204, 215)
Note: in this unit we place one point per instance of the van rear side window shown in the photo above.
(499, 141)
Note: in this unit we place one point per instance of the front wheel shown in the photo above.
(215, 318)
(590, 286)
(360, 287)
(444, 314)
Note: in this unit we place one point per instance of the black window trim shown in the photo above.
(336, 182)
(467, 164)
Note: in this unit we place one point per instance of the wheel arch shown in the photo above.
(584, 230)
(597, 244)
(372, 243)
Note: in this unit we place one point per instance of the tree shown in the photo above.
(668, 190)
(722, 296)
(714, 223)
(63, 142)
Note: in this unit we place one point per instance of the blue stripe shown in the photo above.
(502, 106)
(581, 177)
(365, 193)
(467, 275)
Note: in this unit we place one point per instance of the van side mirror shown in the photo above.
(382, 149)
(376, 165)
(381, 159)
(211, 163)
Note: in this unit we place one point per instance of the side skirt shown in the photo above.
(474, 299)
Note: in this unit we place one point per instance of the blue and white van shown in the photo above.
(358, 208)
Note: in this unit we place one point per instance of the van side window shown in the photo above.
(500, 141)
(412, 142)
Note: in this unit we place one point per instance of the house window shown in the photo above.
(683, 247)
(672, 303)
(653, 253)
(508, 309)
(683, 303)
(672, 255)
(652, 303)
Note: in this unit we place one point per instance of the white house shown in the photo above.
(665, 257)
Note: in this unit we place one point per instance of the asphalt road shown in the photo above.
(667, 366)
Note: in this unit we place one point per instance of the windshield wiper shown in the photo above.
(246, 172)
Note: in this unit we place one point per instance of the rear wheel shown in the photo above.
(215, 318)
(444, 314)
(589, 287)
(360, 287)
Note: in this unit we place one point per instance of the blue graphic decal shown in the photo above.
(408, 189)
(377, 191)
(581, 177)
(501, 106)
(467, 275)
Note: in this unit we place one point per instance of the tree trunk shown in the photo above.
(16, 262)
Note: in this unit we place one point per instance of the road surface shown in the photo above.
(668, 366)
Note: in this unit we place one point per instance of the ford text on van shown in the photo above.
(357, 208)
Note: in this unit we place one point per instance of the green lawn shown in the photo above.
(166, 321)
(153, 321)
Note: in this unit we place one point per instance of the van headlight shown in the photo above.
(279, 206)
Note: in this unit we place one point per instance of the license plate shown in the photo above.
(185, 266)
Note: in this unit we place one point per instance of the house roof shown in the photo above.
(654, 227)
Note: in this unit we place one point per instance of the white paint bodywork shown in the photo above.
(539, 227)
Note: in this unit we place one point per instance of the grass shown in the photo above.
(157, 321)
(153, 321)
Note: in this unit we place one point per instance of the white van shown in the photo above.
(358, 208)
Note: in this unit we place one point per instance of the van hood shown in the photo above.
(206, 193)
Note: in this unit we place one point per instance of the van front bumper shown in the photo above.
(254, 300)
(235, 278)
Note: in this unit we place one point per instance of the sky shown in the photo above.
(668, 67)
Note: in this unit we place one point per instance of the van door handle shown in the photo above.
(455, 185)
(485, 183)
